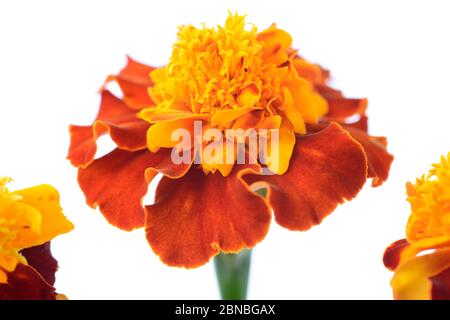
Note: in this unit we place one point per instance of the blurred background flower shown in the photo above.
(422, 261)
(29, 219)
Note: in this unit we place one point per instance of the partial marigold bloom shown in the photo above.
(228, 77)
(29, 219)
(420, 274)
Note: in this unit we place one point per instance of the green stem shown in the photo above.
(232, 272)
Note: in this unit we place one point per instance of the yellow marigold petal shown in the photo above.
(292, 113)
(411, 280)
(3, 277)
(273, 34)
(223, 117)
(45, 199)
(249, 96)
(154, 115)
(311, 105)
(223, 159)
(275, 54)
(279, 163)
(9, 261)
(159, 135)
(250, 120)
(270, 122)
(27, 224)
(296, 119)
(311, 72)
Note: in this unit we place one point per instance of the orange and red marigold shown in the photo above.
(226, 77)
(29, 219)
(422, 261)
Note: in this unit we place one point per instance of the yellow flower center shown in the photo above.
(231, 77)
(430, 203)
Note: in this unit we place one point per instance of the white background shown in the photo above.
(54, 55)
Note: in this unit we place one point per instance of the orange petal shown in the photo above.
(154, 115)
(279, 164)
(134, 80)
(125, 129)
(292, 113)
(118, 181)
(273, 34)
(363, 125)
(223, 117)
(190, 222)
(309, 103)
(270, 122)
(313, 73)
(25, 283)
(378, 158)
(160, 134)
(326, 168)
(249, 96)
(341, 108)
(412, 279)
(328, 92)
(250, 120)
(392, 254)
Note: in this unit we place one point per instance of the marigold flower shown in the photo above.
(229, 77)
(418, 274)
(29, 219)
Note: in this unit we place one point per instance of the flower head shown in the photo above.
(223, 78)
(231, 77)
(424, 276)
(29, 219)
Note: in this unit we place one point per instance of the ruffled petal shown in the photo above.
(134, 81)
(325, 169)
(378, 158)
(279, 164)
(41, 259)
(25, 283)
(341, 108)
(197, 216)
(313, 73)
(273, 34)
(161, 134)
(43, 200)
(412, 279)
(363, 124)
(125, 129)
(225, 116)
(250, 120)
(117, 183)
